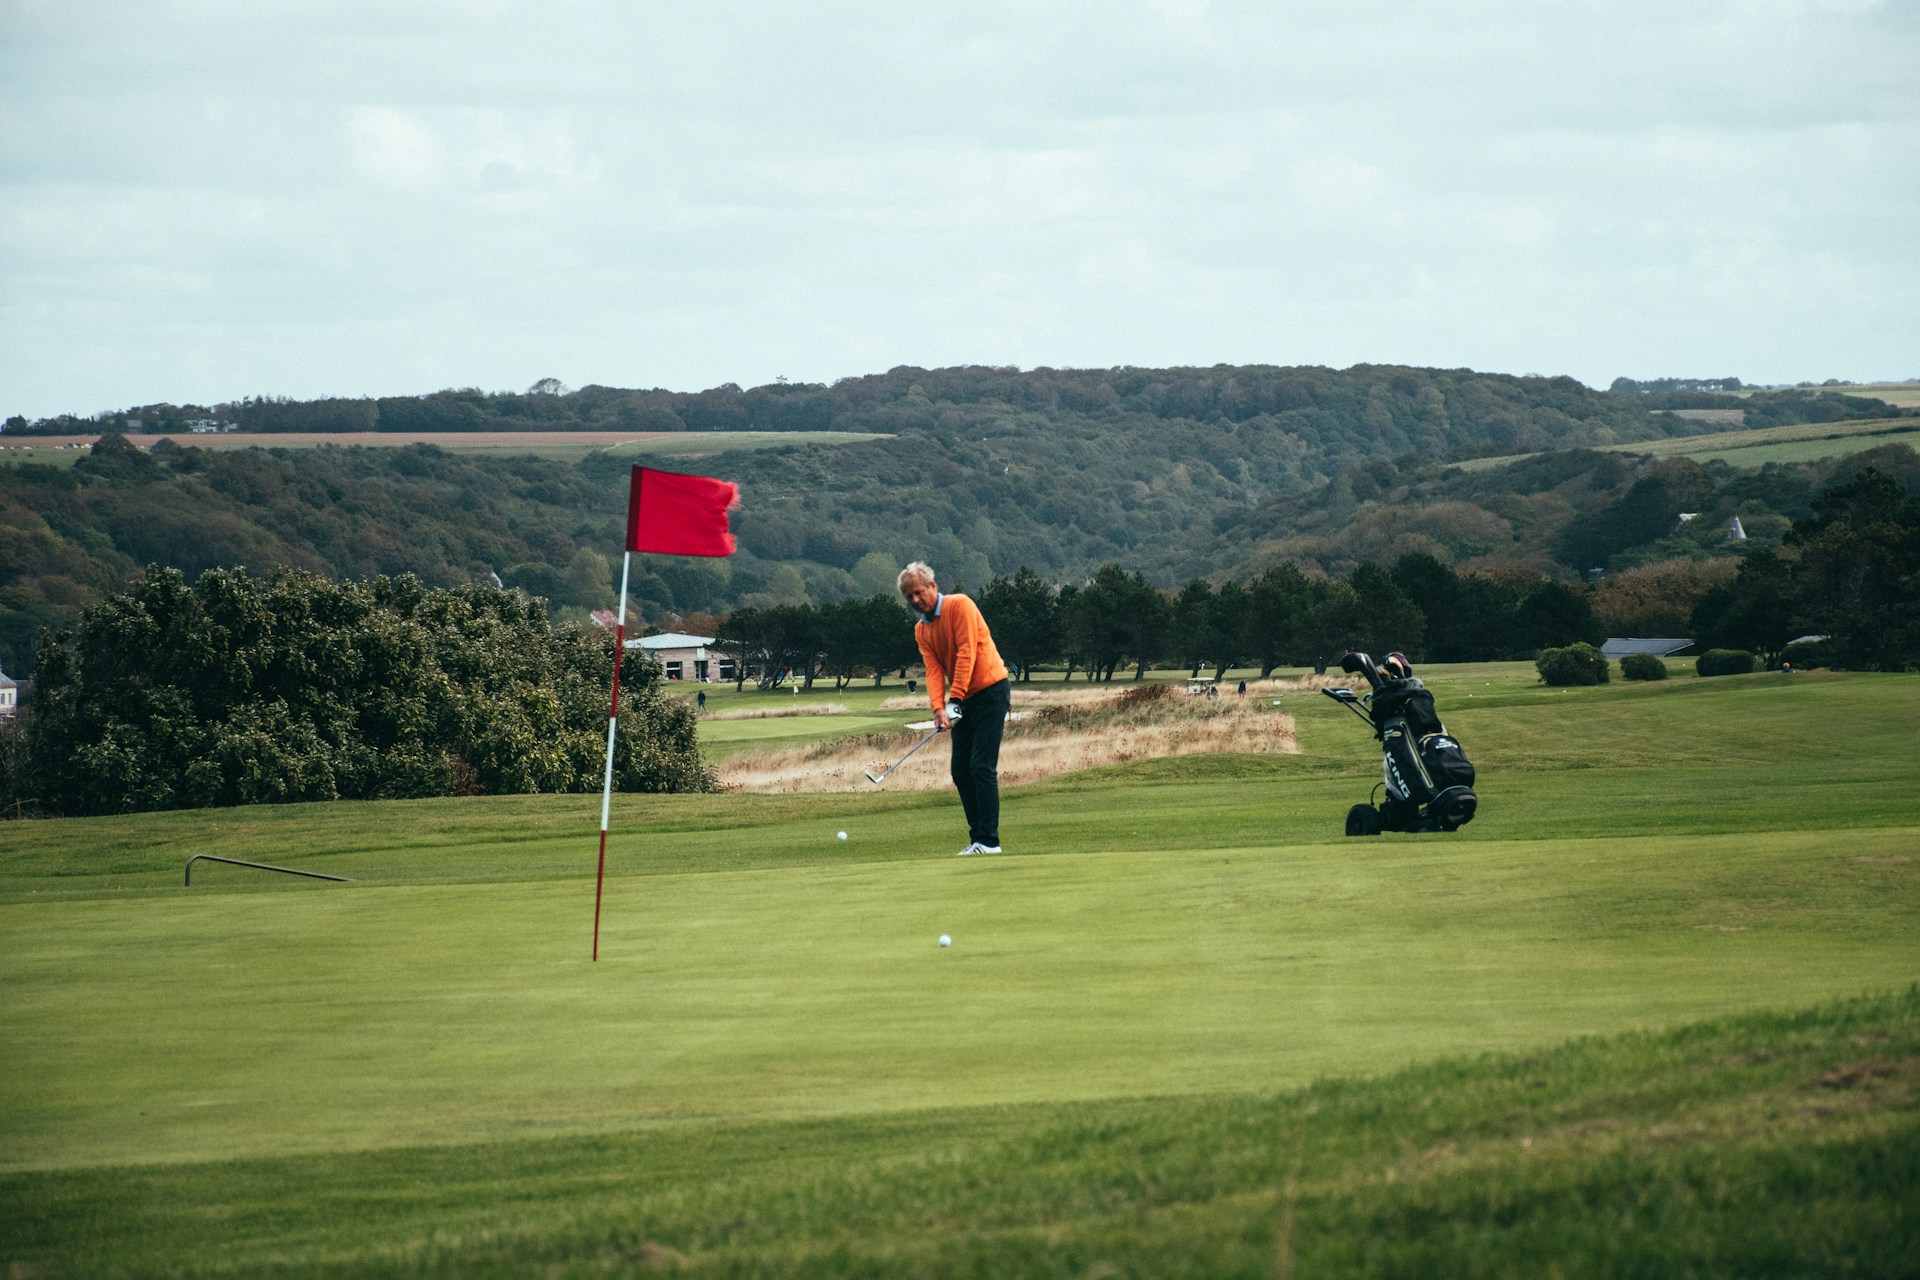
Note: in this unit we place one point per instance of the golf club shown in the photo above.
(1351, 701)
(953, 713)
(902, 760)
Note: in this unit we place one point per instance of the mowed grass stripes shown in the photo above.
(242, 1024)
(775, 1069)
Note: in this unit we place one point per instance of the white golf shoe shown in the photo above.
(977, 847)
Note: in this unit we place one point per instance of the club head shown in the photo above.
(870, 778)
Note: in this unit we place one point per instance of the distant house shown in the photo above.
(9, 696)
(685, 657)
(1617, 647)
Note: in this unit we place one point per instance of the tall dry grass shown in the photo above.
(1062, 731)
(1028, 697)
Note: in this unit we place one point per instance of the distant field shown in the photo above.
(547, 444)
(57, 451)
(1904, 394)
(1802, 442)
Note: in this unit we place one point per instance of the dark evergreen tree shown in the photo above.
(1860, 572)
(1024, 615)
(241, 690)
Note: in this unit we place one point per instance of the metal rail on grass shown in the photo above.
(261, 866)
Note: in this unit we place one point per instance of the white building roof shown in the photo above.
(1617, 647)
(670, 640)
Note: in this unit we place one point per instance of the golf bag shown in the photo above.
(1426, 774)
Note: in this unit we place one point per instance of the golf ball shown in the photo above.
(945, 941)
(840, 836)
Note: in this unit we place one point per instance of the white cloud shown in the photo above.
(1336, 182)
(394, 147)
(208, 199)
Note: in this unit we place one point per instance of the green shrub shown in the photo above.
(242, 690)
(1576, 664)
(1809, 653)
(1642, 666)
(1725, 662)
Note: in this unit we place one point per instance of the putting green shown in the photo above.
(771, 728)
(336, 1017)
(1646, 855)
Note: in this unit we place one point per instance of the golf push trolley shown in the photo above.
(1427, 776)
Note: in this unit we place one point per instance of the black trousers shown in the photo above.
(976, 759)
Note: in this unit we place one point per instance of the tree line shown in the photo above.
(1849, 571)
(1117, 621)
(1402, 405)
(1401, 409)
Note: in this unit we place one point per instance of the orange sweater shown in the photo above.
(958, 650)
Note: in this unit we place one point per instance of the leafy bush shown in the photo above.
(1809, 653)
(1642, 666)
(1576, 664)
(239, 690)
(1725, 662)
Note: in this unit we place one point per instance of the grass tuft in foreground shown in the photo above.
(1767, 1144)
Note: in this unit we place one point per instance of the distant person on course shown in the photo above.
(963, 666)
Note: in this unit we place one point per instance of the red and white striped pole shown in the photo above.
(613, 720)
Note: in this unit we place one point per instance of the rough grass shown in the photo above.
(1056, 731)
(1767, 1144)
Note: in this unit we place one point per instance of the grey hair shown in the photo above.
(918, 571)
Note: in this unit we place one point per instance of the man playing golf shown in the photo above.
(963, 666)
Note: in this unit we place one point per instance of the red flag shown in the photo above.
(680, 515)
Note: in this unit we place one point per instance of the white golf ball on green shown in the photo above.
(840, 836)
(945, 941)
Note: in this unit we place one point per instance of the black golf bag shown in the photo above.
(1426, 774)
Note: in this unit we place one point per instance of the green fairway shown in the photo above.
(798, 728)
(1647, 856)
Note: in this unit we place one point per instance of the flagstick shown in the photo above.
(613, 719)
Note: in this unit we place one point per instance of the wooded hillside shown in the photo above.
(1175, 474)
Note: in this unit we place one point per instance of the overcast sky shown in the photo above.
(208, 199)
